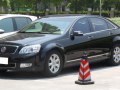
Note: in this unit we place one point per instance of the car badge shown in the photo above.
(3, 49)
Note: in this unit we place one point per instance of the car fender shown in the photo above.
(50, 47)
(116, 39)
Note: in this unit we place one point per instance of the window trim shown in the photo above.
(29, 19)
(107, 21)
(114, 25)
(78, 20)
(93, 29)
(70, 29)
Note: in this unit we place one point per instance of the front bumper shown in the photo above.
(23, 64)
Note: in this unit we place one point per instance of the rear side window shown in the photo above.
(82, 25)
(7, 24)
(110, 25)
(99, 24)
(21, 22)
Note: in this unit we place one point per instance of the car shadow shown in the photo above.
(15, 75)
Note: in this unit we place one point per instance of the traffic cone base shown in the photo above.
(84, 82)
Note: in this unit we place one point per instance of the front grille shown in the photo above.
(9, 49)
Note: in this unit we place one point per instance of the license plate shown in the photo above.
(3, 60)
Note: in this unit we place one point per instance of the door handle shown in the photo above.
(90, 37)
(110, 33)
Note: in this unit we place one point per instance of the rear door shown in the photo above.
(101, 41)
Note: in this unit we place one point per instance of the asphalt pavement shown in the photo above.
(105, 77)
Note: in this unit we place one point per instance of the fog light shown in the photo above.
(24, 65)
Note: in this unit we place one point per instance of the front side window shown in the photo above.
(47, 26)
(98, 24)
(82, 25)
(6, 24)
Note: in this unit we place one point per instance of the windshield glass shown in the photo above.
(48, 26)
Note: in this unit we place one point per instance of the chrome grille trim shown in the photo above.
(4, 45)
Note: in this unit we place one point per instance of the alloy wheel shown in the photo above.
(54, 63)
(116, 54)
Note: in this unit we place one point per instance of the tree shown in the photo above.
(5, 4)
(74, 5)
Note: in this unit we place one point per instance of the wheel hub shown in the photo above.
(116, 55)
(54, 63)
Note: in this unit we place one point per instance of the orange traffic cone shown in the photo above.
(84, 72)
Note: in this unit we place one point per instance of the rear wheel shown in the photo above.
(53, 63)
(115, 55)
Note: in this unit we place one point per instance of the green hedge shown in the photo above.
(104, 13)
(30, 13)
(117, 13)
(115, 20)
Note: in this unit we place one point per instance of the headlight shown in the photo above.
(30, 49)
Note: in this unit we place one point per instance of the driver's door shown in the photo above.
(78, 44)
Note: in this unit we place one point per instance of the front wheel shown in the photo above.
(53, 63)
(115, 55)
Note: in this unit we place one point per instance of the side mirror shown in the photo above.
(77, 33)
(1, 31)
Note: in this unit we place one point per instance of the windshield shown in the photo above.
(48, 26)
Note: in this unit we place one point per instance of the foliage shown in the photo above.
(75, 6)
(116, 20)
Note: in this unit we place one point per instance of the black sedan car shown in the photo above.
(52, 43)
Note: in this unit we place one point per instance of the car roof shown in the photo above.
(71, 17)
(2, 16)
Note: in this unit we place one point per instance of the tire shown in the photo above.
(53, 63)
(115, 55)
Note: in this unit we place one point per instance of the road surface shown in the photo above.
(105, 77)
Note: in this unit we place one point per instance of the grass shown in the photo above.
(116, 20)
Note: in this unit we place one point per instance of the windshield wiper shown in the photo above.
(40, 32)
(29, 32)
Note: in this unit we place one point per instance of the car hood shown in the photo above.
(28, 38)
(6, 34)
